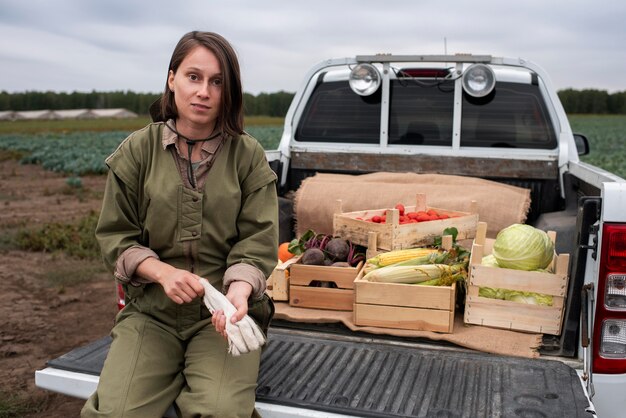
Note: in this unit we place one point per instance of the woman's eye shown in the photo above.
(217, 82)
(193, 77)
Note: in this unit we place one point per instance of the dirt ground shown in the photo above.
(40, 318)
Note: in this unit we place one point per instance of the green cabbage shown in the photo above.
(491, 293)
(516, 296)
(489, 261)
(523, 247)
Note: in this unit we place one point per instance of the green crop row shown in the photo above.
(607, 140)
(82, 153)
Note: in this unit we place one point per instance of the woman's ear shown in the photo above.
(170, 81)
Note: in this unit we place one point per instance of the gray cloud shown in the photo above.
(77, 45)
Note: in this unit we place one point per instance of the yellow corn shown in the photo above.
(408, 274)
(397, 256)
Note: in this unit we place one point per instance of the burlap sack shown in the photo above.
(485, 339)
(498, 204)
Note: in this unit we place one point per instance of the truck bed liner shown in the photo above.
(372, 378)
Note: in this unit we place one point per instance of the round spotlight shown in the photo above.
(364, 79)
(478, 80)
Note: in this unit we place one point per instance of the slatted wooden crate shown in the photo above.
(391, 235)
(404, 306)
(322, 287)
(509, 314)
(278, 282)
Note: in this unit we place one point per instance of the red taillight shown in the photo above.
(609, 335)
(617, 250)
(121, 302)
(424, 72)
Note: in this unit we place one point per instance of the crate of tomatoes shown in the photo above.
(403, 226)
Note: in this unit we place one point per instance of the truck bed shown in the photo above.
(360, 375)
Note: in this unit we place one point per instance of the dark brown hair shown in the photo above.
(230, 118)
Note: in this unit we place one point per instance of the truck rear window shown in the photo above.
(421, 113)
(513, 116)
(335, 113)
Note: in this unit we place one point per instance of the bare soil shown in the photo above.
(43, 318)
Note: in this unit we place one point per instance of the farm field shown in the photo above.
(607, 140)
(51, 186)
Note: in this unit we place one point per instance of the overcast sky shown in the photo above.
(107, 45)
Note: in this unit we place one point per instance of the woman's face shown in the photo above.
(197, 87)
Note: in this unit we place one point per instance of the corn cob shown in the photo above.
(396, 256)
(408, 274)
(446, 279)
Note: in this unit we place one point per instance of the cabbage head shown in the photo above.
(523, 247)
(489, 261)
(529, 298)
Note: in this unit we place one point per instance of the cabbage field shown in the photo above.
(607, 140)
(83, 152)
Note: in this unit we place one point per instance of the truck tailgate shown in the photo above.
(374, 378)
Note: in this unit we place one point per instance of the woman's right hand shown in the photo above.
(179, 285)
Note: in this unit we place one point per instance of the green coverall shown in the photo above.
(164, 353)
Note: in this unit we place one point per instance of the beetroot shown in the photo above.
(313, 256)
(337, 249)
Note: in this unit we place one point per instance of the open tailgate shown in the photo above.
(374, 378)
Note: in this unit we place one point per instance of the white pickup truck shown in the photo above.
(468, 115)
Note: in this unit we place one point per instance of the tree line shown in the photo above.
(588, 101)
(593, 101)
(263, 104)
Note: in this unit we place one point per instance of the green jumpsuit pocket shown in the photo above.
(262, 311)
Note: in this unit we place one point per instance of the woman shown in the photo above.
(188, 196)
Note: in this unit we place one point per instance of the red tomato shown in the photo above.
(400, 208)
(376, 219)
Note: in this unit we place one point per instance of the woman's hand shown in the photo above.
(238, 294)
(179, 285)
(182, 286)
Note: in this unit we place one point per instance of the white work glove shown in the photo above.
(243, 336)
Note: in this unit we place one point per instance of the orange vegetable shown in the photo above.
(283, 252)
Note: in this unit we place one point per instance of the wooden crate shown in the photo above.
(304, 294)
(508, 314)
(278, 282)
(404, 306)
(393, 236)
